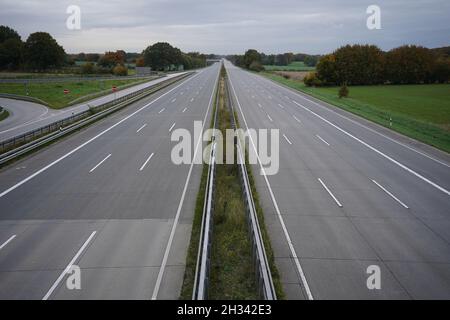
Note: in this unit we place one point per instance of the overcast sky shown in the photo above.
(231, 26)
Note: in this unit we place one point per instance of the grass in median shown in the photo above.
(232, 274)
(421, 112)
(3, 114)
(259, 211)
(52, 93)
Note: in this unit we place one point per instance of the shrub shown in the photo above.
(120, 70)
(311, 80)
(343, 91)
(256, 66)
(87, 68)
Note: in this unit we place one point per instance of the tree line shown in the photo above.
(41, 52)
(369, 65)
(255, 61)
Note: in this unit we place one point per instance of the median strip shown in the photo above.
(225, 261)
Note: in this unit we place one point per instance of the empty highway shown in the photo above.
(27, 116)
(348, 195)
(107, 199)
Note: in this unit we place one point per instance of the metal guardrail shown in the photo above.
(201, 280)
(263, 274)
(26, 142)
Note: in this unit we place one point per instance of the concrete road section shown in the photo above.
(348, 196)
(108, 200)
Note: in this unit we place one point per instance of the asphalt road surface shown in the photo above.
(107, 199)
(27, 116)
(348, 195)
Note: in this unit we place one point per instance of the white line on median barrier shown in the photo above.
(146, 161)
(143, 126)
(390, 194)
(99, 164)
(330, 193)
(74, 259)
(7, 241)
(322, 139)
(377, 151)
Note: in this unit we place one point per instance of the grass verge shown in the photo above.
(421, 112)
(52, 93)
(3, 114)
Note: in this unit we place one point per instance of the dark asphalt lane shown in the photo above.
(379, 201)
(107, 199)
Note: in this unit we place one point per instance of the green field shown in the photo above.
(421, 112)
(294, 66)
(52, 93)
(3, 114)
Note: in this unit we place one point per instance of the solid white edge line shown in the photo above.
(92, 139)
(377, 151)
(7, 241)
(286, 138)
(146, 161)
(170, 129)
(329, 192)
(98, 164)
(74, 259)
(141, 128)
(389, 193)
(180, 205)
(277, 209)
(323, 140)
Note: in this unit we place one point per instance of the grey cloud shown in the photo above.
(232, 26)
